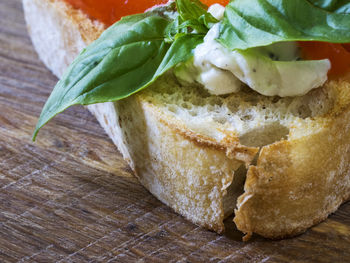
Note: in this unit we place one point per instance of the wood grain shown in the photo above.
(71, 198)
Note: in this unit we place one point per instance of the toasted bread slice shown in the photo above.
(192, 150)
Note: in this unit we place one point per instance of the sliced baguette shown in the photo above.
(191, 149)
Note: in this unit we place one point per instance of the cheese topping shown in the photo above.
(272, 70)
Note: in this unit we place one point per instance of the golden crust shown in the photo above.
(298, 182)
(90, 29)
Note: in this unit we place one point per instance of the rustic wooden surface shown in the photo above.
(71, 198)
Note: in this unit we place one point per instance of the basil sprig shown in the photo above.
(134, 52)
(128, 56)
(255, 23)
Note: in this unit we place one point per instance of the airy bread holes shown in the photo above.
(264, 135)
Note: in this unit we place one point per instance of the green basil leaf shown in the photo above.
(194, 15)
(343, 9)
(174, 29)
(324, 4)
(255, 23)
(192, 18)
(180, 51)
(338, 6)
(191, 9)
(193, 24)
(129, 56)
(208, 20)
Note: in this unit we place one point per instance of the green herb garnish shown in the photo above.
(254, 23)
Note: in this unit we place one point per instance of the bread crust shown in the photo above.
(298, 182)
(191, 172)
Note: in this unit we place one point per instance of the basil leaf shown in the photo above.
(324, 4)
(194, 15)
(129, 56)
(191, 9)
(338, 6)
(180, 51)
(343, 9)
(255, 23)
(208, 20)
(193, 24)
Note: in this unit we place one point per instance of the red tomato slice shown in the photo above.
(110, 11)
(211, 2)
(338, 54)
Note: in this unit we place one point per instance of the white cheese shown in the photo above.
(271, 70)
(217, 11)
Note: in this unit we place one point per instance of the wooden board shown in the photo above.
(70, 197)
